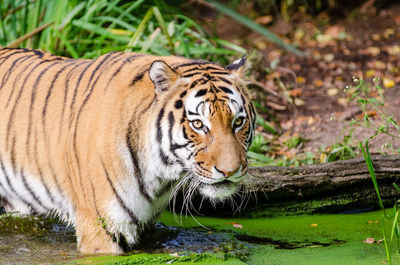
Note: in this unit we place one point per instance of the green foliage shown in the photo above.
(375, 114)
(294, 141)
(376, 117)
(395, 228)
(88, 29)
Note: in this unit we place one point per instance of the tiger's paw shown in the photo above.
(93, 246)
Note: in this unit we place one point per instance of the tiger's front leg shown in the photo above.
(92, 236)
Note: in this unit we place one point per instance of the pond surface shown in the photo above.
(308, 239)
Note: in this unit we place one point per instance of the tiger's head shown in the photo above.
(206, 125)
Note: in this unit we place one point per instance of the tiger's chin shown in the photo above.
(218, 191)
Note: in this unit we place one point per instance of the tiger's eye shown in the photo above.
(238, 122)
(197, 124)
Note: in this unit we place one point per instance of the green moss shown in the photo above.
(139, 259)
(22, 224)
(315, 236)
(303, 239)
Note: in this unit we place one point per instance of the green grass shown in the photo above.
(394, 234)
(88, 29)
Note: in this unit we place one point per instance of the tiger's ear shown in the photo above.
(238, 66)
(162, 76)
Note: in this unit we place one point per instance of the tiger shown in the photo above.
(103, 143)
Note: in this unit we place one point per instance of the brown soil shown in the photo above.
(364, 43)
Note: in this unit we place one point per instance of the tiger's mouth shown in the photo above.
(218, 191)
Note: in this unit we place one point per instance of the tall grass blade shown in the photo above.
(371, 170)
(69, 47)
(29, 35)
(140, 29)
(163, 26)
(74, 12)
(254, 26)
(387, 245)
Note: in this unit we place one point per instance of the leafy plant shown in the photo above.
(91, 28)
(376, 117)
(395, 230)
(374, 113)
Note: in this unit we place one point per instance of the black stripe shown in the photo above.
(31, 106)
(138, 77)
(14, 191)
(94, 200)
(18, 78)
(191, 69)
(183, 94)
(178, 104)
(7, 75)
(164, 157)
(11, 118)
(123, 63)
(52, 199)
(192, 74)
(193, 84)
(193, 113)
(224, 80)
(50, 89)
(226, 89)
(5, 58)
(158, 125)
(173, 146)
(120, 201)
(66, 90)
(201, 92)
(137, 172)
(105, 66)
(219, 73)
(29, 189)
(78, 81)
(194, 62)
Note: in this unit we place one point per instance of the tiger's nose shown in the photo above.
(227, 173)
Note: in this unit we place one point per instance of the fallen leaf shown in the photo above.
(376, 36)
(369, 240)
(388, 32)
(300, 79)
(237, 225)
(313, 225)
(388, 82)
(318, 82)
(394, 50)
(333, 91)
(380, 65)
(310, 120)
(264, 20)
(329, 57)
(299, 102)
(370, 73)
(373, 51)
(295, 92)
(322, 158)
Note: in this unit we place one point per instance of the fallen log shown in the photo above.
(342, 186)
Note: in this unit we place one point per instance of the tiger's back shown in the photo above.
(107, 140)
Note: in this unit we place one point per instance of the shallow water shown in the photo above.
(307, 239)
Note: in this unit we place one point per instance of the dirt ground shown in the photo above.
(305, 94)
